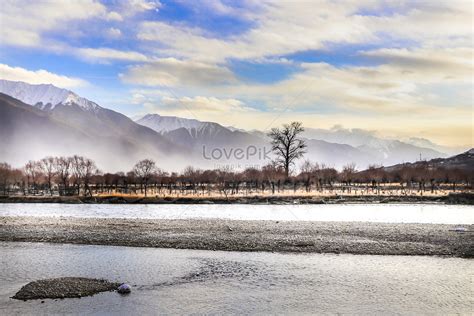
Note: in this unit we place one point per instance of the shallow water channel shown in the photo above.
(173, 281)
(389, 213)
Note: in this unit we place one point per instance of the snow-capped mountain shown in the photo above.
(163, 124)
(119, 141)
(44, 96)
(194, 133)
(68, 123)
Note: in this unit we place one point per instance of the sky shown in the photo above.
(401, 68)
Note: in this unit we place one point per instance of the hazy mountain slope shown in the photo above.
(124, 141)
(85, 115)
(336, 155)
(163, 124)
(337, 147)
(463, 161)
(426, 143)
(196, 134)
(354, 137)
(29, 133)
(388, 152)
(117, 142)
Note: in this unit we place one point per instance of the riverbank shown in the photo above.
(232, 235)
(452, 198)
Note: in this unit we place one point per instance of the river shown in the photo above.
(169, 281)
(387, 213)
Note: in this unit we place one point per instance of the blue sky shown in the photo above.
(399, 68)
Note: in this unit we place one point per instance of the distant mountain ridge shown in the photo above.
(163, 124)
(116, 141)
(463, 161)
(109, 137)
(44, 96)
(334, 147)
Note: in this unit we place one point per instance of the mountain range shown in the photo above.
(40, 120)
(463, 162)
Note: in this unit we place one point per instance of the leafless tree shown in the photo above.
(286, 144)
(48, 165)
(306, 174)
(83, 169)
(63, 168)
(32, 171)
(5, 176)
(144, 170)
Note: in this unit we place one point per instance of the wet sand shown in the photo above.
(231, 235)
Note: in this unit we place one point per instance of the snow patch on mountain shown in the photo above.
(44, 96)
(164, 124)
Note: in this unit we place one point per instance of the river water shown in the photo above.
(389, 213)
(169, 281)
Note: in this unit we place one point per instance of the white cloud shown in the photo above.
(198, 107)
(113, 32)
(133, 7)
(282, 28)
(23, 23)
(114, 16)
(434, 23)
(204, 104)
(39, 76)
(175, 72)
(431, 64)
(106, 54)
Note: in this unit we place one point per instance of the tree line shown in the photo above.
(78, 175)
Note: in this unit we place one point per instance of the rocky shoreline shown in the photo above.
(452, 198)
(230, 235)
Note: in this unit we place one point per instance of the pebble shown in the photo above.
(124, 289)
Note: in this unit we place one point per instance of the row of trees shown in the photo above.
(79, 175)
(66, 175)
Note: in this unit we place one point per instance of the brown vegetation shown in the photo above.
(77, 175)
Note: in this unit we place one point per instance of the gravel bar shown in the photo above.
(68, 287)
(231, 235)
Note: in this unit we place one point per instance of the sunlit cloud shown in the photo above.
(400, 66)
(175, 72)
(39, 76)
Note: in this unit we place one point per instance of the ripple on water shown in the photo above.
(189, 281)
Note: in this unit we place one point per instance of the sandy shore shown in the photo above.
(315, 237)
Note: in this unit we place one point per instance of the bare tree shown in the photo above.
(48, 165)
(32, 171)
(5, 176)
(306, 174)
(347, 175)
(90, 169)
(63, 168)
(144, 170)
(286, 144)
(83, 169)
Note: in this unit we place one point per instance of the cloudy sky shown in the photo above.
(402, 68)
